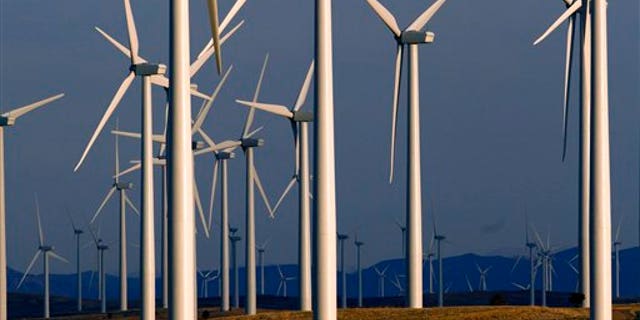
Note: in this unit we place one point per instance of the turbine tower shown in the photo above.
(299, 121)
(8, 119)
(122, 188)
(343, 274)
(359, 245)
(579, 8)
(412, 36)
(47, 251)
(438, 237)
(324, 224)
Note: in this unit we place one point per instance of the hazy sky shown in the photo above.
(491, 120)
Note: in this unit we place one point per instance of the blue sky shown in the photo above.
(490, 114)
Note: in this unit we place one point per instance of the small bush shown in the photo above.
(576, 299)
(498, 300)
(206, 314)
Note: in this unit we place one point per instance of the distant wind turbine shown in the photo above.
(359, 245)
(77, 232)
(343, 274)
(8, 119)
(101, 247)
(261, 250)
(283, 282)
(234, 265)
(482, 286)
(438, 237)
(398, 284)
(381, 276)
(469, 286)
(616, 248)
(47, 251)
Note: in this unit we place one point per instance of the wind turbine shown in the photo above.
(299, 121)
(47, 251)
(359, 244)
(101, 247)
(403, 230)
(412, 36)
(616, 247)
(8, 119)
(469, 286)
(343, 274)
(77, 232)
(206, 278)
(438, 237)
(396, 283)
(531, 246)
(545, 253)
(283, 282)
(381, 276)
(261, 249)
(430, 256)
(482, 286)
(234, 265)
(579, 8)
(122, 188)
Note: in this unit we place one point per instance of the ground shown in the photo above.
(621, 312)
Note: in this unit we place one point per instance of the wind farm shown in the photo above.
(353, 122)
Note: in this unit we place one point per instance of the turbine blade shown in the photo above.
(208, 51)
(131, 205)
(40, 233)
(231, 14)
(17, 113)
(205, 110)
(214, 185)
(302, 96)
(386, 16)
(162, 81)
(422, 20)
(196, 196)
(215, 32)
(296, 142)
(55, 255)
(394, 110)
(292, 182)
(206, 138)
(112, 107)
(570, 11)
(252, 133)
(249, 121)
(118, 45)
(617, 238)
(104, 202)
(263, 194)
(117, 166)
(516, 263)
(127, 134)
(271, 108)
(133, 168)
(567, 84)
(133, 33)
(26, 272)
(229, 144)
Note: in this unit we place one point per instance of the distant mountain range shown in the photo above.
(456, 270)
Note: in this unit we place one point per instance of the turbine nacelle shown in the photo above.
(415, 37)
(45, 248)
(123, 185)
(7, 121)
(103, 247)
(78, 231)
(197, 145)
(302, 116)
(225, 155)
(148, 69)
(251, 143)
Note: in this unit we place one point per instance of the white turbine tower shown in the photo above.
(381, 276)
(359, 245)
(122, 188)
(283, 282)
(8, 119)
(47, 251)
(299, 121)
(579, 8)
(430, 256)
(77, 232)
(411, 36)
(343, 272)
(469, 286)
